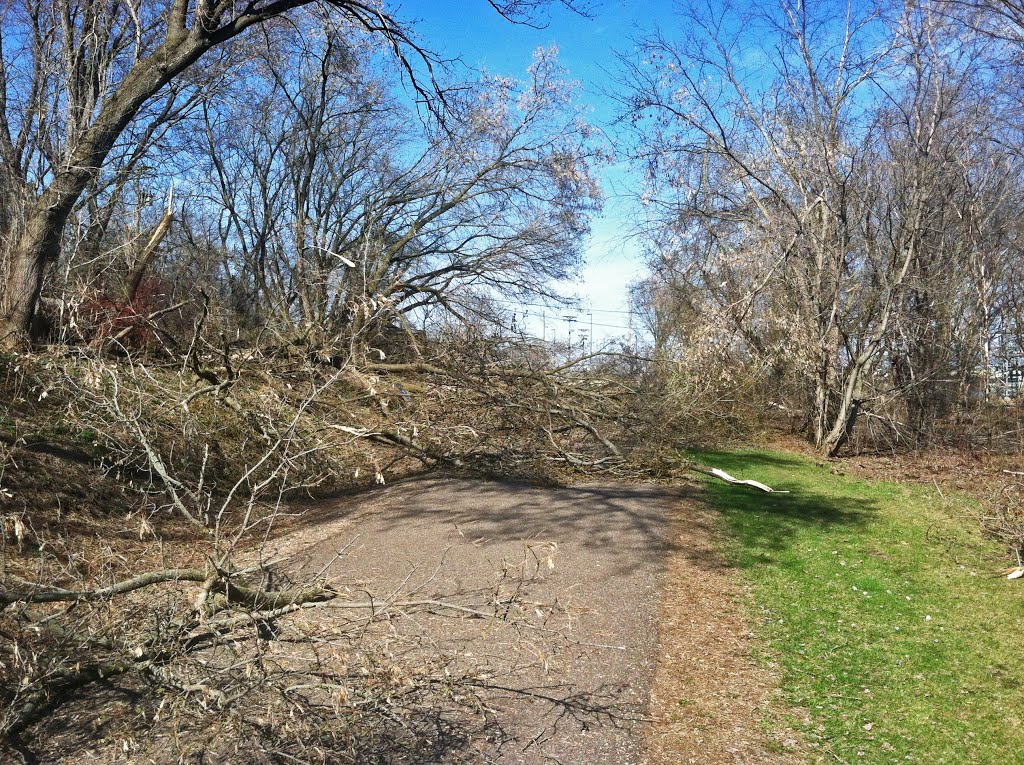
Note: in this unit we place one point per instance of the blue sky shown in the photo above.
(476, 33)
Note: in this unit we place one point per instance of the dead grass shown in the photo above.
(712, 701)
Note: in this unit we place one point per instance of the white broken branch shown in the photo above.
(721, 474)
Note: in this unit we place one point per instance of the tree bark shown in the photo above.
(25, 281)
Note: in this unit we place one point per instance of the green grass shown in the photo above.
(881, 609)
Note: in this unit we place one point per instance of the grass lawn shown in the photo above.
(882, 611)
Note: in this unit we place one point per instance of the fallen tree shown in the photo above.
(192, 616)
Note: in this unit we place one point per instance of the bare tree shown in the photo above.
(803, 183)
(339, 217)
(86, 71)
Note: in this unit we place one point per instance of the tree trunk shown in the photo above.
(821, 412)
(37, 247)
(148, 254)
(843, 430)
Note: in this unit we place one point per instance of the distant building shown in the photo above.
(1006, 375)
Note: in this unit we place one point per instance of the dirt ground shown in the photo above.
(631, 646)
(979, 474)
(713, 703)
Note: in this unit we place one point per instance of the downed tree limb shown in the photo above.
(269, 600)
(391, 438)
(148, 254)
(55, 594)
(722, 475)
(180, 638)
(220, 583)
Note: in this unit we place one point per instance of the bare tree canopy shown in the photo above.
(824, 178)
(76, 76)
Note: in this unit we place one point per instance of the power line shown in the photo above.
(570, 307)
(584, 324)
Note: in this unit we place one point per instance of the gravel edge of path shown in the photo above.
(712, 701)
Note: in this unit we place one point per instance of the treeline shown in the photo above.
(836, 190)
(832, 197)
(308, 171)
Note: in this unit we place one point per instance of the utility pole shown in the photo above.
(572, 322)
(591, 332)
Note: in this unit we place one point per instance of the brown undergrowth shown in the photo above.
(138, 499)
(712, 702)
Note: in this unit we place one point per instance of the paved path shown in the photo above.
(593, 558)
